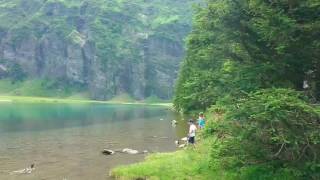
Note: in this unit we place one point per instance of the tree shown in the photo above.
(271, 127)
(239, 46)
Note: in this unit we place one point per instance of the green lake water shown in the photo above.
(64, 141)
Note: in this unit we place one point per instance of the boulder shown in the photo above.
(130, 151)
(184, 139)
(27, 170)
(107, 152)
(182, 145)
(177, 142)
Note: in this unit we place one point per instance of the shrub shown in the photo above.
(272, 126)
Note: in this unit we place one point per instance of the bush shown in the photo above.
(277, 127)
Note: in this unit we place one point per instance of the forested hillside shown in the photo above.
(254, 67)
(104, 47)
(241, 46)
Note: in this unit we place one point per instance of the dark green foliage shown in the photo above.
(248, 60)
(273, 127)
(242, 45)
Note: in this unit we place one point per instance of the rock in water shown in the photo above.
(107, 152)
(27, 170)
(177, 142)
(182, 145)
(145, 151)
(184, 139)
(130, 151)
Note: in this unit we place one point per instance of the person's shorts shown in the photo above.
(191, 140)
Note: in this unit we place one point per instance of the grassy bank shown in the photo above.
(204, 162)
(190, 163)
(195, 164)
(39, 88)
(30, 99)
(44, 91)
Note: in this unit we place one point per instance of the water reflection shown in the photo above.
(65, 141)
(30, 117)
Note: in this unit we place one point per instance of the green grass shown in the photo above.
(196, 164)
(80, 96)
(183, 164)
(41, 91)
(6, 86)
(155, 99)
(124, 97)
(30, 99)
(35, 87)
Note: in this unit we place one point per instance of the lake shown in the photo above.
(65, 141)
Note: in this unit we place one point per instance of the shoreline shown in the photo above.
(169, 165)
(31, 99)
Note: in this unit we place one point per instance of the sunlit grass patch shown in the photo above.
(183, 164)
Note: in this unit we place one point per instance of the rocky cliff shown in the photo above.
(106, 47)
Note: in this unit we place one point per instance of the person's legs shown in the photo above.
(191, 141)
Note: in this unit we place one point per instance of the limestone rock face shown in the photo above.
(108, 47)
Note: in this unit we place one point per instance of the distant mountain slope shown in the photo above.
(105, 47)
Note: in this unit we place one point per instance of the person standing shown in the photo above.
(201, 121)
(192, 132)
